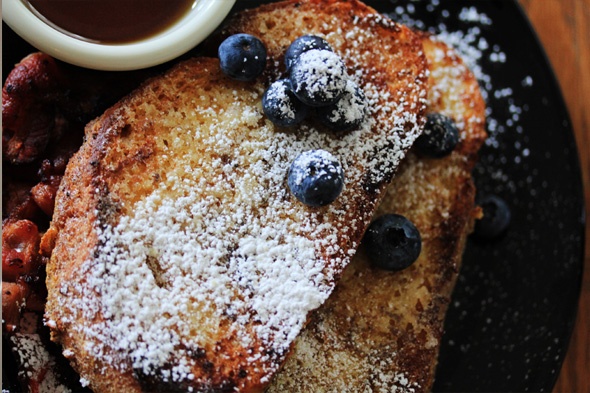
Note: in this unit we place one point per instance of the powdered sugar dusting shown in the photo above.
(314, 162)
(319, 73)
(279, 92)
(351, 107)
(219, 253)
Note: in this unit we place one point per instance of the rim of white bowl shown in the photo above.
(176, 40)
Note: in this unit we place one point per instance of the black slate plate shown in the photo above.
(514, 306)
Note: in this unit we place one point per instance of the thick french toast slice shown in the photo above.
(180, 260)
(380, 331)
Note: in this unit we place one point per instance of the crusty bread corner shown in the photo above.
(180, 260)
(381, 331)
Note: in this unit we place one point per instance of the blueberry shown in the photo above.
(440, 136)
(316, 178)
(496, 217)
(348, 112)
(392, 242)
(281, 106)
(242, 57)
(303, 44)
(318, 77)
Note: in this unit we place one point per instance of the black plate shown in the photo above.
(514, 306)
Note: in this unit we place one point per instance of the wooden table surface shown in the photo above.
(564, 29)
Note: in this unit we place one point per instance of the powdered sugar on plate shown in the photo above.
(475, 50)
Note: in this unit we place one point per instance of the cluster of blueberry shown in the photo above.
(317, 83)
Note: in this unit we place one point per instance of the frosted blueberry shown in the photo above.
(318, 77)
(348, 112)
(281, 106)
(316, 178)
(303, 44)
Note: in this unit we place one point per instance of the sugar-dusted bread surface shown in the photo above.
(181, 262)
(380, 331)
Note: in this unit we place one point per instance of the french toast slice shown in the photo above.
(380, 331)
(180, 261)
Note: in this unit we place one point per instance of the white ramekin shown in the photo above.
(177, 39)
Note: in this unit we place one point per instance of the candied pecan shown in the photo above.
(45, 101)
(54, 166)
(48, 243)
(16, 200)
(26, 117)
(44, 192)
(14, 296)
(36, 300)
(20, 249)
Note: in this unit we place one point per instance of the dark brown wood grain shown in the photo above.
(564, 29)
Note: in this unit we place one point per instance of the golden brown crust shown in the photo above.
(186, 164)
(380, 331)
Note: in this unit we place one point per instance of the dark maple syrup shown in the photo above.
(112, 21)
